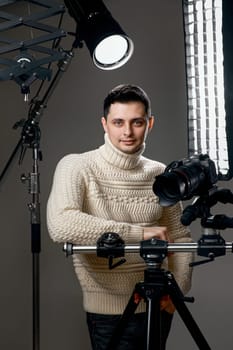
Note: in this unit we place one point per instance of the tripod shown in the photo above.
(157, 283)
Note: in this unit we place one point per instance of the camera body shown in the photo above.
(185, 178)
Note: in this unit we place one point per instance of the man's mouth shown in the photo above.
(128, 141)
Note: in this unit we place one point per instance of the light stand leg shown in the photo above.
(10, 160)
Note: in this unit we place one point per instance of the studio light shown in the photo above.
(207, 122)
(109, 46)
(30, 38)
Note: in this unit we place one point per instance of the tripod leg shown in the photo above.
(177, 298)
(129, 310)
(153, 327)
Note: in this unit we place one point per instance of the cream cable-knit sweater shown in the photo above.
(106, 190)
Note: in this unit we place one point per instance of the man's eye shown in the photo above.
(117, 122)
(138, 122)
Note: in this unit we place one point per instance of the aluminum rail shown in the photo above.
(70, 248)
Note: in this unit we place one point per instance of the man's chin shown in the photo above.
(129, 149)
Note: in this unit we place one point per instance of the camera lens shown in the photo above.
(169, 187)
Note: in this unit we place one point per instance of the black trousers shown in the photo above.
(101, 328)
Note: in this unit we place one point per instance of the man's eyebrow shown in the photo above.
(140, 118)
(135, 118)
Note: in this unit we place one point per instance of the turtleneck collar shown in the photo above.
(118, 158)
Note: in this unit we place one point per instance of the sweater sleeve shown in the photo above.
(178, 262)
(66, 220)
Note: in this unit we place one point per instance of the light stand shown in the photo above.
(30, 138)
(24, 70)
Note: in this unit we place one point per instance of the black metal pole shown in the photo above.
(33, 180)
(35, 246)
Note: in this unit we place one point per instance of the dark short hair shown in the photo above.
(127, 93)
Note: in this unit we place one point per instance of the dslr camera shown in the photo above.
(185, 178)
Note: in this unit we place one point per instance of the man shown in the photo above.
(109, 189)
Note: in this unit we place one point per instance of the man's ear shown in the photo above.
(151, 122)
(104, 123)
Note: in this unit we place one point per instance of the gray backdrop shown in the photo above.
(71, 123)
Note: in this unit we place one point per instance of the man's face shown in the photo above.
(127, 125)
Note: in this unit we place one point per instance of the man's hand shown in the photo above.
(159, 232)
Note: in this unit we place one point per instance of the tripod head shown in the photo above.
(200, 208)
(211, 237)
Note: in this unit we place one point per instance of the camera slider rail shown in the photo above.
(111, 246)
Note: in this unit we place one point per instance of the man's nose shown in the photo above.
(127, 129)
